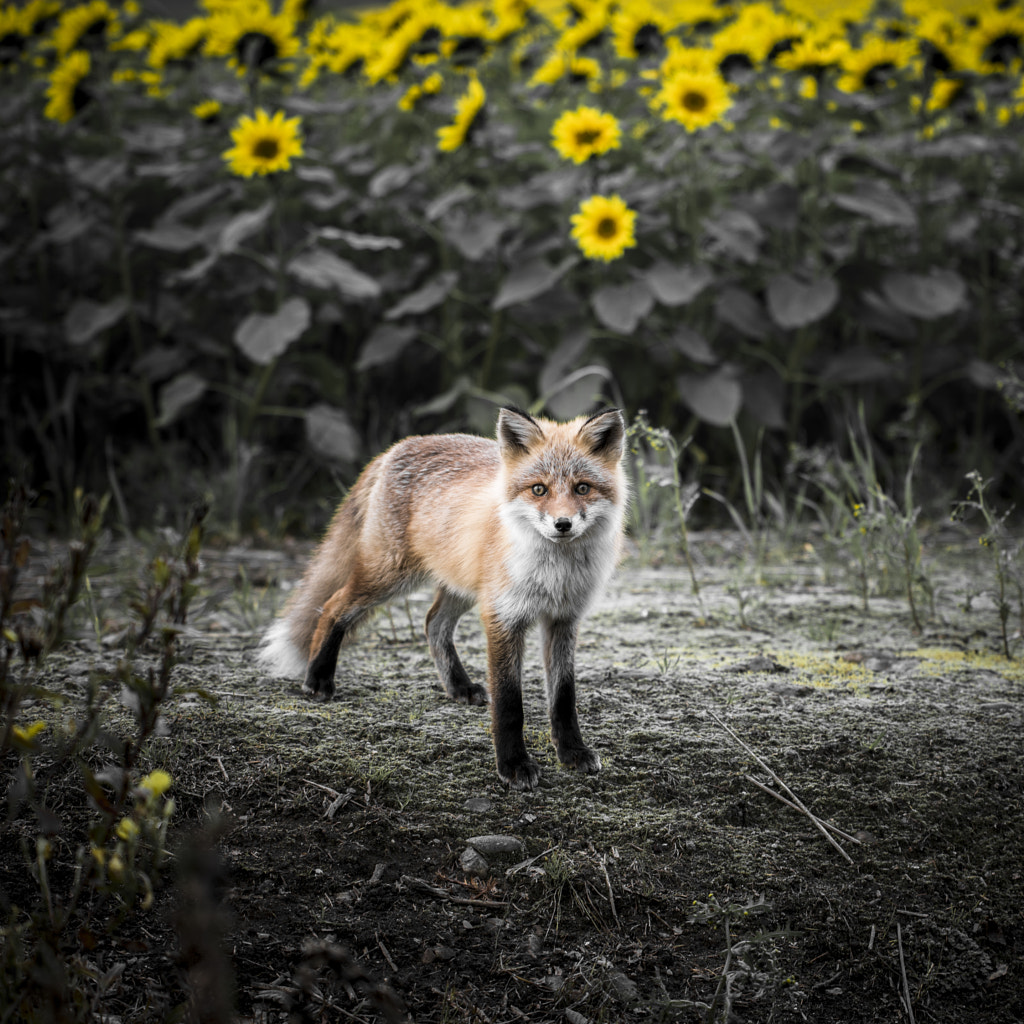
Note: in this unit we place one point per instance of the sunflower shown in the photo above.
(693, 98)
(561, 64)
(13, 35)
(814, 54)
(263, 145)
(467, 112)
(207, 111)
(79, 26)
(603, 227)
(250, 35)
(639, 30)
(65, 93)
(877, 63)
(997, 42)
(430, 86)
(176, 44)
(585, 132)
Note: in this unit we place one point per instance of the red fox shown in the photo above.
(528, 527)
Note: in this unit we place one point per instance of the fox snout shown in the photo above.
(563, 525)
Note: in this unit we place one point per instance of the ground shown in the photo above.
(672, 886)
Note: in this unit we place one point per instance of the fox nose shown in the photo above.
(563, 525)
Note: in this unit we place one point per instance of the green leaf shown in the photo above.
(263, 338)
(737, 308)
(674, 285)
(448, 200)
(85, 319)
(424, 299)
(354, 240)
(926, 296)
(569, 352)
(530, 280)
(794, 303)
(691, 344)
(177, 394)
(879, 203)
(331, 434)
(621, 307)
(170, 237)
(714, 397)
(243, 226)
(391, 179)
(577, 392)
(475, 236)
(320, 268)
(384, 345)
(736, 234)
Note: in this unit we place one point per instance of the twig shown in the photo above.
(789, 803)
(326, 789)
(611, 895)
(796, 800)
(903, 973)
(433, 890)
(223, 770)
(387, 955)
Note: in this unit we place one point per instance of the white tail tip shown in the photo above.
(278, 655)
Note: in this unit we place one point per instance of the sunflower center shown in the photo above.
(255, 49)
(647, 40)
(694, 101)
(587, 136)
(607, 227)
(1003, 49)
(879, 75)
(266, 149)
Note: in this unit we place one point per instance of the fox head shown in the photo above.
(563, 479)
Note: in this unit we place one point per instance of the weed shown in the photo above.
(86, 883)
(656, 463)
(1005, 552)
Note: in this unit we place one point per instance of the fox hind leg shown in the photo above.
(341, 614)
(444, 614)
(559, 644)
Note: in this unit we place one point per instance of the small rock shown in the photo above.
(497, 846)
(477, 805)
(624, 988)
(789, 689)
(473, 863)
(759, 663)
(576, 1018)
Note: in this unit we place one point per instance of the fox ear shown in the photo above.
(604, 434)
(517, 431)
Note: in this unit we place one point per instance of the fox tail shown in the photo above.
(285, 647)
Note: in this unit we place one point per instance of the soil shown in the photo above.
(324, 846)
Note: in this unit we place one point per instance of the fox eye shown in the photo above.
(582, 488)
(539, 490)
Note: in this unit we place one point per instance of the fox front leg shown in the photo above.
(559, 642)
(504, 679)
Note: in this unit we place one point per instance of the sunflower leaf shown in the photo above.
(320, 268)
(530, 280)
(795, 303)
(879, 203)
(926, 296)
(86, 318)
(674, 285)
(714, 397)
(383, 345)
(621, 307)
(429, 296)
(330, 433)
(177, 394)
(243, 226)
(264, 337)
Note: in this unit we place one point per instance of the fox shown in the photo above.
(528, 526)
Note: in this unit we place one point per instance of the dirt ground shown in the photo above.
(673, 886)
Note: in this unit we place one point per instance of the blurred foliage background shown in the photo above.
(244, 248)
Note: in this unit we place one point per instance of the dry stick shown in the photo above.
(611, 895)
(903, 972)
(789, 803)
(796, 800)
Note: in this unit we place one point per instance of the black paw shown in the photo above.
(521, 775)
(467, 693)
(318, 687)
(581, 758)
